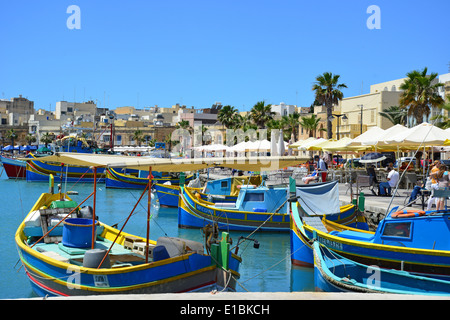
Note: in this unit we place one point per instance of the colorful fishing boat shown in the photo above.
(66, 251)
(326, 215)
(223, 190)
(261, 208)
(14, 168)
(39, 171)
(335, 273)
(116, 179)
(413, 241)
(168, 195)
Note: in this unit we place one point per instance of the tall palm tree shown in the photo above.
(328, 92)
(395, 114)
(138, 137)
(184, 124)
(46, 138)
(30, 138)
(420, 93)
(169, 142)
(311, 124)
(444, 121)
(291, 123)
(226, 116)
(261, 113)
(11, 134)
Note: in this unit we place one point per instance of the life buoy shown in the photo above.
(408, 214)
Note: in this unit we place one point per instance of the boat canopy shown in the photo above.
(262, 163)
(319, 199)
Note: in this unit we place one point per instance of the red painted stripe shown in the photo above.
(44, 286)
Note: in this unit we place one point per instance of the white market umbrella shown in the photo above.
(424, 134)
(370, 137)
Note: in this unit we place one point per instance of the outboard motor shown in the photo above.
(86, 212)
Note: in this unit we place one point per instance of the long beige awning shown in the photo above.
(172, 165)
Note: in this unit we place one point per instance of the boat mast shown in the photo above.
(93, 207)
(148, 210)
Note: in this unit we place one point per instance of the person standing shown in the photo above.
(323, 169)
(434, 183)
(443, 179)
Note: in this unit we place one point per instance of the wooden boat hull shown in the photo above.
(359, 248)
(195, 214)
(115, 179)
(334, 273)
(59, 275)
(40, 172)
(15, 169)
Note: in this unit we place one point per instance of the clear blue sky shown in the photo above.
(146, 52)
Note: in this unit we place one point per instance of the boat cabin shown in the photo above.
(230, 186)
(423, 230)
(261, 199)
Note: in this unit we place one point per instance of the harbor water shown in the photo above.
(266, 269)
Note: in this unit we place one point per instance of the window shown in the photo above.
(397, 229)
(253, 196)
(224, 184)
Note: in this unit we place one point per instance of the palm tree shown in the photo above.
(226, 116)
(138, 137)
(327, 91)
(168, 140)
(11, 134)
(311, 124)
(46, 139)
(30, 138)
(395, 114)
(184, 124)
(444, 121)
(420, 93)
(291, 123)
(261, 113)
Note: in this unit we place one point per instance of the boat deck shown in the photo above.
(119, 256)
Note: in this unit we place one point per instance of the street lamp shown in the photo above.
(361, 127)
(344, 117)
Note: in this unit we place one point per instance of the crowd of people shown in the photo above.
(439, 178)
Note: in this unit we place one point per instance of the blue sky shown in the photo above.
(145, 53)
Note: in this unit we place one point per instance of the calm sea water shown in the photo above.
(267, 269)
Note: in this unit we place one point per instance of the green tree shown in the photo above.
(227, 116)
(11, 134)
(328, 92)
(46, 138)
(310, 124)
(291, 123)
(138, 137)
(184, 124)
(444, 121)
(395, 114)
(261, 113)
(30, 138)
(420, 93)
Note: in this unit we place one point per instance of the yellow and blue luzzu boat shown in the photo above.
(168, 195)
(223, 190)
(335, 273)
(414, 241)
(116, 179)
(62, 256)
(255, 209)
